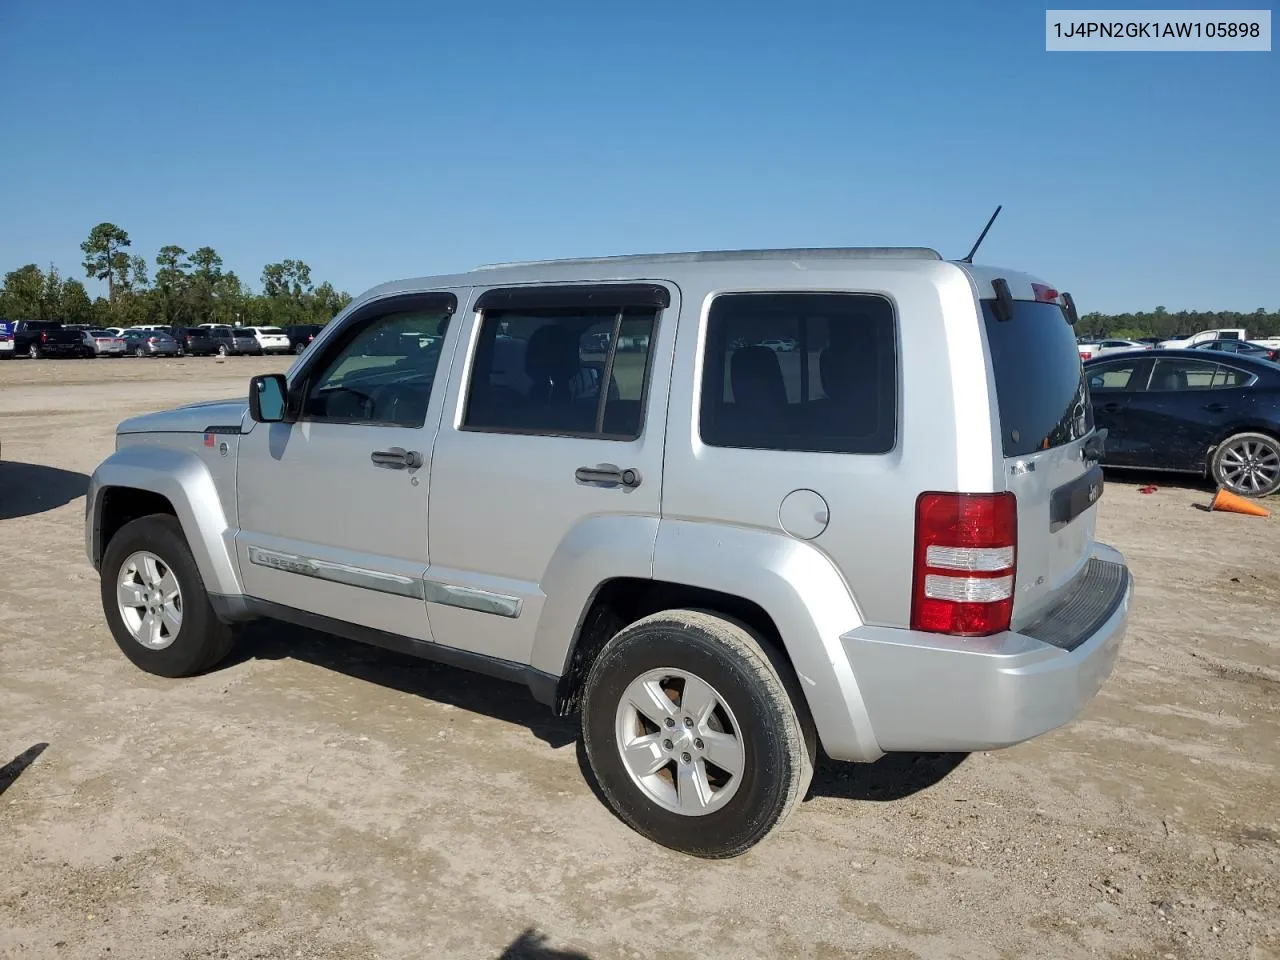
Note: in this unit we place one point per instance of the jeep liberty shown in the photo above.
(724, 507)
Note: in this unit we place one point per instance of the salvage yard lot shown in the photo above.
(318, 799)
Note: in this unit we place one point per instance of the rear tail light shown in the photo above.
(1085, 354)
(965, 557)
(44, 338)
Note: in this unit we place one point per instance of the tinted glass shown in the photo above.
(541, 371)
(1227, 378)
(1040, 384)
(812, 372)
(1182, 375)
(1112, 376)
(383, 374)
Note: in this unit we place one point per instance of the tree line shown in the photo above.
(186, 289)
(1163, 324)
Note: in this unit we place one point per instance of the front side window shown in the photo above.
(1112, 376)
(544, 370)
(381, 370)
(811, 372)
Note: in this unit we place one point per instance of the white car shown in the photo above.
(270, 339)
(6, 340)
(1096, 348)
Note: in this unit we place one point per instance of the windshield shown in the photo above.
(1040, 385)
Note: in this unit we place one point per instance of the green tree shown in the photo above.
(51, 295)
(104, 255)
(22, 297)
(74, 301)
(172, 285)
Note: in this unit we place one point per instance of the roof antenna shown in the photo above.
(982, 236)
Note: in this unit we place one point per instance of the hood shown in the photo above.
(193, 418)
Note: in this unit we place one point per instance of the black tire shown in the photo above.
(298, 348)
(222, 351)
(1224, 466)
(779, 741)
(202, 640)
(34, 352)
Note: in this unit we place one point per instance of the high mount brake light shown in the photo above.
(965, 561)
(1044, 294)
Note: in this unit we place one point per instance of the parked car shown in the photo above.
(719, 558)
(194, 341)
(1195, 340)
(1194, 411)
(6, 340)
(104, 343)
(271, 339)
(1105, 345)
(149, 343)
(1243, 347)
(234, 341)
(46, 338)
(301, 335)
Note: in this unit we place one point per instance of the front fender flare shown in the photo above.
(186, 483)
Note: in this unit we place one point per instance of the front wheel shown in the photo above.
(155, 601)
(1247, 464)
(693, 735)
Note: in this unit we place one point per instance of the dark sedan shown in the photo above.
(1195, 411)
(195, 342)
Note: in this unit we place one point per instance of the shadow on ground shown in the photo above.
(31, 488)
(509, 702)
(894, 776)
(532, 945)
(12, 770)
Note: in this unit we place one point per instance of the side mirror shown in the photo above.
(267, 396)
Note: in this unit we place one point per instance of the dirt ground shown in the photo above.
(317, 799)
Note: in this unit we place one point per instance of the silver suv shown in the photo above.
(727, 507)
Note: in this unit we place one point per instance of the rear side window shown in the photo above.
(1040, 385)
(806, 372)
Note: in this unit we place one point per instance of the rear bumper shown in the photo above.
(925, 692)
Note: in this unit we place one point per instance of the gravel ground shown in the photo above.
(317, 799)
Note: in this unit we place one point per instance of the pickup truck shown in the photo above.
(47, 338)
(1203, 337)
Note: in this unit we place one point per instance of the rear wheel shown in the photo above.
(1247, 464)
(693, 734)
(222, 350)
(155, 601)
(34, 351)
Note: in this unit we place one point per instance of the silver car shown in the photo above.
(602, 480)
(149, 343)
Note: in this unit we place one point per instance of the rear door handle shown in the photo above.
(397, 458)
(1110, 407)
(608, 475)
(1215, 407)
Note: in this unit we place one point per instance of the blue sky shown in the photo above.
(378, 140)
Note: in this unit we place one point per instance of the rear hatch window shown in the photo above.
(1040, 385)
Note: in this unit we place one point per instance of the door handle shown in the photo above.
(1215, 407)
(397, 458)
(608, 475)
(1110, 407)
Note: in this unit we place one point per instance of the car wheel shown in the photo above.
(298, 348)
(139, 352)
(222, 351)
(155, 601)
(1247, 464)
(34, 352)
(693, 734)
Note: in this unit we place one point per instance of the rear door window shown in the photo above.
(1040, 383)
(1182, 375)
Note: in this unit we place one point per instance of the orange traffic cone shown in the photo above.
(1223, 500)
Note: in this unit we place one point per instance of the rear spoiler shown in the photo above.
(1004, 301)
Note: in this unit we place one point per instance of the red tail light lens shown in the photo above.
(1085, 354)
(44, 338)
(965, 557)
(1043, 293)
